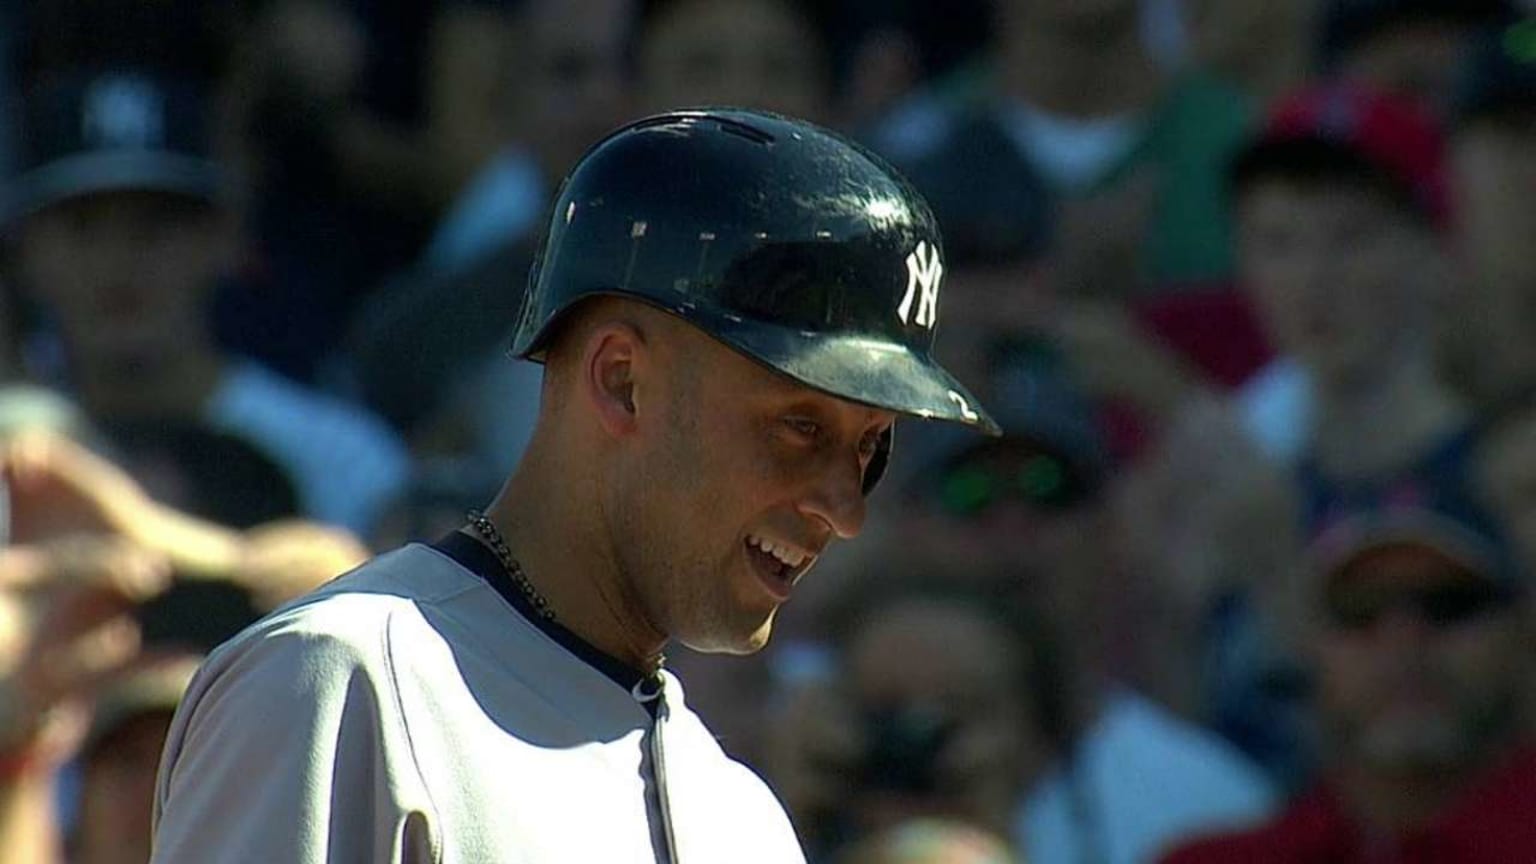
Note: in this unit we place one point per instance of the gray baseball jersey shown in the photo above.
(407, 712)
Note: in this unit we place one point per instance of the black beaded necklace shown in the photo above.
(493, 538)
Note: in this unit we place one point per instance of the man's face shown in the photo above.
(1338, 273)
(958, 668)
(1018, 513)
(1419, 666)
(736, 459)
(125, 275)
(756, 53)
(571, 84)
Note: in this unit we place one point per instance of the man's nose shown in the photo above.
(837, 498)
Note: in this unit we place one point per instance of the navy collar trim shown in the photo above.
(475, 557)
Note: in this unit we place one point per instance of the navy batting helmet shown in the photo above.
(784, 241)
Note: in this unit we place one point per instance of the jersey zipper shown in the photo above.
(663, 838)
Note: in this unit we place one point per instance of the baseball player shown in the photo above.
(732, 309)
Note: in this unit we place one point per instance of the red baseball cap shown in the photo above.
(1389, 134)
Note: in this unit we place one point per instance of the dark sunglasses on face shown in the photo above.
(1042, 481)
(1441, 606)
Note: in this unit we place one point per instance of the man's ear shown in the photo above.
(614, 357)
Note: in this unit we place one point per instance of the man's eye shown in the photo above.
(808, 429)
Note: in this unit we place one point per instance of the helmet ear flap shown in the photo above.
(879, 461)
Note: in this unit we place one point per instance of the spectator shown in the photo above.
(120, 229)
(118, 760)
(569, 88)
(454, 395)
(1357, 386)
(1418, 625)
(1409, 48)
(83, 639)
(1492, 142)
(185, 39)
(770, 54)
(359, 122)
(101, 590)
(1135, 153)
(58, 488)
(933, 714)
(1340, 206)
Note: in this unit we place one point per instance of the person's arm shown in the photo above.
(287, 748)
(59, 488)
(30, 829)
(83, 638)
(281, 560)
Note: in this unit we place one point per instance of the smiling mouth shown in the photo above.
(779, 567)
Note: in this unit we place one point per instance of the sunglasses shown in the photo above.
(1041, 481)
(1441, 606)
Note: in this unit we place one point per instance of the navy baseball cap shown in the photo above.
(1446, 526)
(1500, 72)
(112, 130)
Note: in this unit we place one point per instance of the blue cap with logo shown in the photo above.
(112, 130)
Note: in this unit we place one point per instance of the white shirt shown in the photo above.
(1142, 781)
(1071, 154)
(406, 713)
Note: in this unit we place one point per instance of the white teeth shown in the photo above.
(786, 556)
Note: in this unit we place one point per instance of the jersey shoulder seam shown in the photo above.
(405, 729)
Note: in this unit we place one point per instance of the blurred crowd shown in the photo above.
(1250, 285)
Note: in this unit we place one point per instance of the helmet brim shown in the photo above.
(871, 371)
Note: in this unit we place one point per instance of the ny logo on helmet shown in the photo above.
(923, 272)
